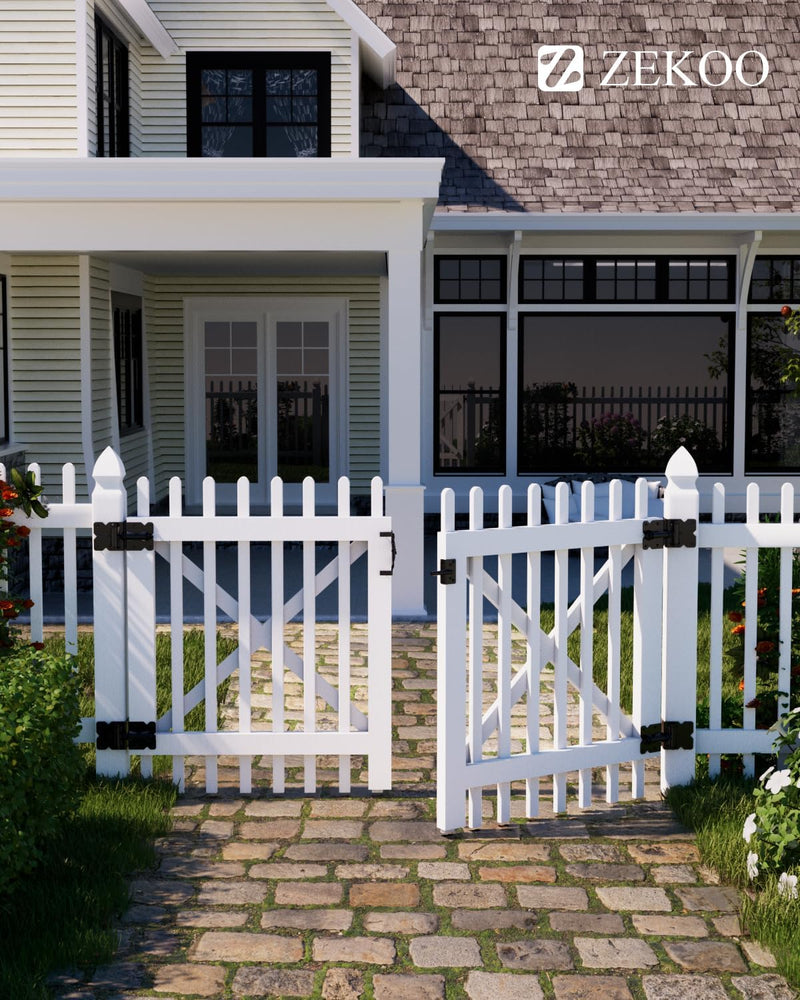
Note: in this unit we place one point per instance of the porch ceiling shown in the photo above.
(282, 265)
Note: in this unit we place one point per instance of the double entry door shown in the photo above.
(265, 394)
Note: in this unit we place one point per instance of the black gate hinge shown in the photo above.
(123, 536)
(446, 571)
(126, 735)
(669, 534)
(667, 736)
(390, 534)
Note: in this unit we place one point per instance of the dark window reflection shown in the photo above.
(470, 394)
(775, 279)
(620, 393)
(773, 439)
(470, 279)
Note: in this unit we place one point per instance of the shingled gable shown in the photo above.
(467, 89)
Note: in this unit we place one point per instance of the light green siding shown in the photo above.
(44, 328)
(103, 395)
(164, 308)
(38, 84)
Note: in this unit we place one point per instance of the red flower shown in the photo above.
(735, 616)
(741, 685)
(765, 646)
(24, 530)
(761, 603)
(796, 670)
(737, 630)
(4, 605)
(9, 494)
(28, 603)
(6, 511)
(786, 311)
(753, 704)
(37, 645)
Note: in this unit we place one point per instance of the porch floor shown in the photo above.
(342, 898)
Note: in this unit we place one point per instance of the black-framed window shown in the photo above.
(773, 408)
(258, 104)
(470, 280)
(592, 399)
(112, 101)
(470, 393)
(656, 279)
(128, 361)
(4, 429)
(775, 279)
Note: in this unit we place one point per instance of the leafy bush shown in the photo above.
(40, 766)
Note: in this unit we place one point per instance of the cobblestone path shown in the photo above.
(361, 897)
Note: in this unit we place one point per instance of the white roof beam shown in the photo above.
(378, 51)
(141, 14)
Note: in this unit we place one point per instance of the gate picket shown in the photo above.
(176, 632)
(587, 647)
(210, 632)
(245, 635)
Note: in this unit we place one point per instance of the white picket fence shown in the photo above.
(124, 614)
(550, 680)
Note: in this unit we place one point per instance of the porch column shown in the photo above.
(404, 490)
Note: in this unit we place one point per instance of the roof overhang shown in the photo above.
(614, 222)
(378, 51)
(141, 14)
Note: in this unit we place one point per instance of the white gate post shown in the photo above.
(679, 641)
(110, 503)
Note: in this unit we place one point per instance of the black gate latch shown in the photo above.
(669, 534)
(390, 534)
(446, 571)
(123, 536)
(126, 735)
(667, 735)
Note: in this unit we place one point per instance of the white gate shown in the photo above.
(124, 589)
(514, 681)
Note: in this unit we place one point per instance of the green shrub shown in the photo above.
(40, 766)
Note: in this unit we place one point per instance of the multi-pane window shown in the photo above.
(111, 92)
(700, 280)
(3, 363)
(303, 370)
(551, 279)
(775, 279)
(625, 280)
(470, 280)
(469, 392)
(773, 411)
(231, 384)
(254, 104)
(128, 362)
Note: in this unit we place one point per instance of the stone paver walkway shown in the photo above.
(361, 897)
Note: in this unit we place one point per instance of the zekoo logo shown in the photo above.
(552, 58)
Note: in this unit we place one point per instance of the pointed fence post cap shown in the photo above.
(108, 471)
(682, 469)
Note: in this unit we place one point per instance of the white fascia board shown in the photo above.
(182, 179)
(378, 51)
(140, 12)
(605, 222)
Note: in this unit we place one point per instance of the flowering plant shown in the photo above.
(772, 831)
(611, 440)
(22, 493)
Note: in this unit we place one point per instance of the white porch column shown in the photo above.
(404, 490)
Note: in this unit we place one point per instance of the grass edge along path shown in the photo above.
(716, 810)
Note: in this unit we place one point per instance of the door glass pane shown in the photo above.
(303, 401)
(231, 386)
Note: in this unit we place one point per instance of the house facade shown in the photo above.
(447, 244)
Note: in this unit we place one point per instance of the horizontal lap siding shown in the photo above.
(134, 455)
(103, 392)
(134, 77)
(165, 341)
(245, 26)
(45, 348)
(38, 88)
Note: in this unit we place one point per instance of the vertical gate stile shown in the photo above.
(715, 638)
(109, 503)
(277, 638)
(785, 609)
(176, 630)
(379, 648)
(245, 650)
(533, 657)
(70, 567)
(614, 640)
(36, 575)
(561, 595)
(210, 630)
(451, 774)
(309, 639)
(343, 570)
(679, 641)
(587, 646)
(475, 660)
(141, 599)
(751, 585)
(504, 583)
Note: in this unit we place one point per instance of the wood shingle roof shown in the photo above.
(467, 90)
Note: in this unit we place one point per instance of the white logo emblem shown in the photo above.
(551, 59)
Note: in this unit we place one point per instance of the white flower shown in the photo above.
(787, 886)
(752, 865)
(767, 773)
(749, 827)
(778, 781)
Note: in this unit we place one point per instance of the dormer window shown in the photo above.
(113, 113)
(255, 104)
